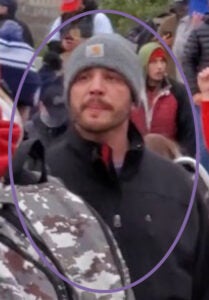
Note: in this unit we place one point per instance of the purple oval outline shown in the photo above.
(14, 195)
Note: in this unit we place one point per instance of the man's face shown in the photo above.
(3, 10)
(71, 40)
(100, 100)
(157, 69)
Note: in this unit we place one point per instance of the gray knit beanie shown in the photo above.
(110, 51)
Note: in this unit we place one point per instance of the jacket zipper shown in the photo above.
(150, 111)
(112, 244)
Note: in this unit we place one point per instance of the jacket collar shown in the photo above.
(165, 84)
(165, 88)
(93, 151)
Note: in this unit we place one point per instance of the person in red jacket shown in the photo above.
(166, 109)
(5, 115)
(203, 83)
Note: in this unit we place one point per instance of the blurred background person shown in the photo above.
(98, 22)
(203, 84)
(15, 55)
(50, 123)
(195, 59)
(175, 30)
(167, 109)
(196, 55)
(8, 10)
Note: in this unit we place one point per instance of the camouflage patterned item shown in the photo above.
(72, 237)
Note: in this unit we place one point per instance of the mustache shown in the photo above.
(98, 101)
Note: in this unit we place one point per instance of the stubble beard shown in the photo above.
(101, 128)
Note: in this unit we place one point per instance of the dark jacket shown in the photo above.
(144, 205)
(36, 129)
(30, 151)
(196, 54)
(171, 117)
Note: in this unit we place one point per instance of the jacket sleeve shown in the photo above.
(190, 61)
(201, 269)
(185, 122)
(205, 121)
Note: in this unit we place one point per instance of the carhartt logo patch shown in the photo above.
(96, 50)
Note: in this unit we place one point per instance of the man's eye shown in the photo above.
(112, 77)
(109, 77)
(82, 77)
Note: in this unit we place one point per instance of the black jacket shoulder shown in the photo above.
(185, 120)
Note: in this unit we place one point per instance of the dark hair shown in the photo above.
(140, 35)
(90, 5)
(178, 6)
(53, 60)
(84, 24)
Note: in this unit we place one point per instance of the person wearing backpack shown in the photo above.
(142, 197)
(68, 232)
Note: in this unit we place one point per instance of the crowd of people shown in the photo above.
(104, 159)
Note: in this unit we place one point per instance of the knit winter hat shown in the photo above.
(110, 51)
(11, 31)
(157, 53)
(70, 5)
(146, 51)
(15, 55)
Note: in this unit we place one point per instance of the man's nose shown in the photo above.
(160, 65)
(97, 84)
